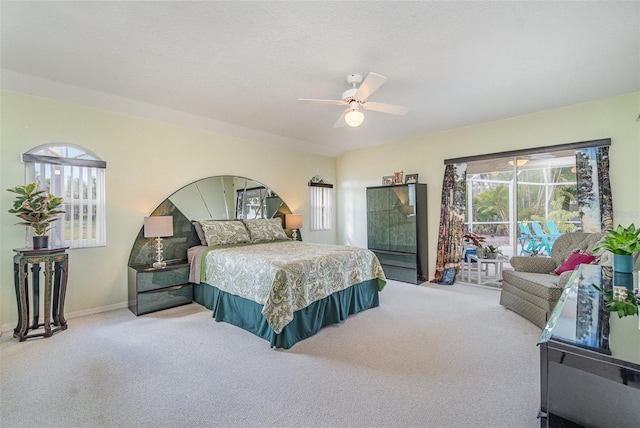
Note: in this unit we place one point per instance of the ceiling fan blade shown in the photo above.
(386, 108)
(340, 123)
(317, 101)
(369, 86)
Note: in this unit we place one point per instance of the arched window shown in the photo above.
(78, 176)
(320, 204)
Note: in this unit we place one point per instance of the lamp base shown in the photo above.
(294, 234)
(159, 263)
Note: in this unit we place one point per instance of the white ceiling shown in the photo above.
(238, 67)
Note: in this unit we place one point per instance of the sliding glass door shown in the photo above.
(522, 204)
(490, 202)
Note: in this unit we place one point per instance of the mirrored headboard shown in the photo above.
(222, 197)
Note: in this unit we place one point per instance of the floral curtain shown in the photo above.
(450, 236)
(594, 189)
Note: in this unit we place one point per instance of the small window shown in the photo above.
(77, 176)
(320, 204)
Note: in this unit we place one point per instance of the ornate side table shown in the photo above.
(55, 262)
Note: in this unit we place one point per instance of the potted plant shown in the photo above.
(37, 209)
(477, 241)
(491, 252)
(474, 238)
(623, 243)
(619, 300)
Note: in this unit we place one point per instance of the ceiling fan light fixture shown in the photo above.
(354, 118)
(519, 162)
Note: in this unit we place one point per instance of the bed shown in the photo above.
(254, 277)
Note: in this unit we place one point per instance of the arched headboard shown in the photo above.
(222, 197)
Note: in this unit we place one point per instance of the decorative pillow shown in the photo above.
(574, 260)
(224, 232)
(262, 230)
(200, 232)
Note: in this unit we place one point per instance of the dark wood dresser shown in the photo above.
(589, 359)
(397, 230)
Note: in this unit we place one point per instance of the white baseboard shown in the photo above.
(5, 328)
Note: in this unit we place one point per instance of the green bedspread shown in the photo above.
(286, 276)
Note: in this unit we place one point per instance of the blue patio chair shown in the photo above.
(528, 245)
(552, 227)
(545, 239)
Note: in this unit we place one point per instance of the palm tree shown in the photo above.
(492, 205)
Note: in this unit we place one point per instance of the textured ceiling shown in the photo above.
(238, 67)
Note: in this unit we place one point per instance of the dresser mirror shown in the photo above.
(222, 197)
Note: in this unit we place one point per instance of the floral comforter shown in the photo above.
(286, 276)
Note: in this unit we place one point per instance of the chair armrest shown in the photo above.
(564, 278)
(533, 264)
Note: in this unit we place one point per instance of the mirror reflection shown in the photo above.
(226, 197)
(223, 197)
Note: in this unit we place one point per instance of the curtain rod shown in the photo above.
(535, 150)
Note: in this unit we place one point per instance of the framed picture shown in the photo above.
(411, 178)
(387, 180)
(398, 177)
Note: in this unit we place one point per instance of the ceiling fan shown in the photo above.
(358, 96)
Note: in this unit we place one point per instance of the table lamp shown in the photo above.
(293, 222)
(158, 227)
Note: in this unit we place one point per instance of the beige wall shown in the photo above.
(613, 118)
(146, 162)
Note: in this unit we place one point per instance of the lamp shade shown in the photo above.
(354, 118)
(158, 226)
(293, 221)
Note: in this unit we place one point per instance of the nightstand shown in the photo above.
(153, 289)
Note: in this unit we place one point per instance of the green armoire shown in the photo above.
(397, 230)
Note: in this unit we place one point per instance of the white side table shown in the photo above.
(482, 268)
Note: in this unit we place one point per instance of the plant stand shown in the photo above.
(55, 287)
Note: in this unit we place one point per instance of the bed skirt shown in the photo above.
(306, 322)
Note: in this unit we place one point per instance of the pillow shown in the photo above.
(574, 260)
(200, 232)
(224, 232)
(262, 230)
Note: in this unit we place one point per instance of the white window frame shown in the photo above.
(320, 204)
(78, 176)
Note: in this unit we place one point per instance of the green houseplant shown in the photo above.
(625, 304)
(37, 209)
(623, 243)
(492, 252)
(477, 241)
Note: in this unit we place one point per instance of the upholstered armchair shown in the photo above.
(532, 289)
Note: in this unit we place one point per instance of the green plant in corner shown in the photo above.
(37, 208)
(626, 307)
(621, 241)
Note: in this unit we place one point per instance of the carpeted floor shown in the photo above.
(429, 356)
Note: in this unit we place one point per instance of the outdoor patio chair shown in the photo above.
(528, 244)
(547, 240)
(552, 227)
